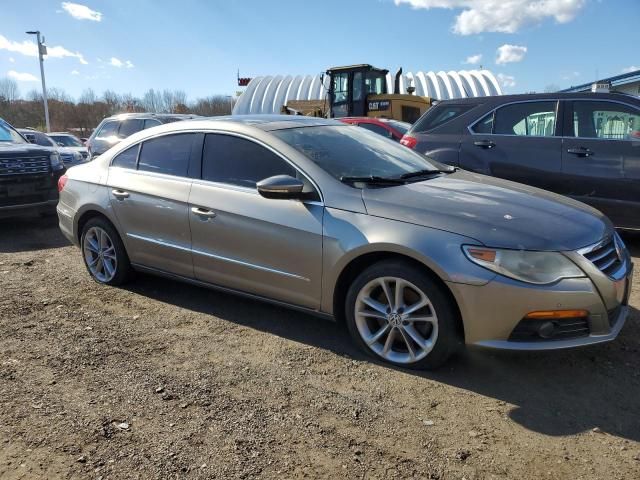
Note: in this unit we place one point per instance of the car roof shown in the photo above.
(499, 99)
(275, 122)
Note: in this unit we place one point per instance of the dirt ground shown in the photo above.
(165, 380)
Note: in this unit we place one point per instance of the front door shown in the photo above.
(149, 196)
(601, 158)
(243, 241)
(517, 142)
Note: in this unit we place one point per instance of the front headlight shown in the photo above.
(55, 161)
(540, 268)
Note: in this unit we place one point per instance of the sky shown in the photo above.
(198, 46)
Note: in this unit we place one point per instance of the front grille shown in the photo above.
(31, 165)
(564, 329)
(605, 257)
(67, 157)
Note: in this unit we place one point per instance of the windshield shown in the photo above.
(402, 127)
(8, 134)
(66, 140)
(344, 151)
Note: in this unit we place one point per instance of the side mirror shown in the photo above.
(280, 186)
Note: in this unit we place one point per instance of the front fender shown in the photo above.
(349, 235)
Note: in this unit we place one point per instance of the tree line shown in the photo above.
(81, 116)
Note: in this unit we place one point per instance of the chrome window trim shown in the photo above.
(217, 257)
(470, 126)
(516, 102)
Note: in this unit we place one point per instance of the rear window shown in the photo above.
(439, 115)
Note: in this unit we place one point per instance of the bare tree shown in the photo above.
(9, 90)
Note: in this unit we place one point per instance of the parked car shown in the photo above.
(387, 127)
(69, 156)
(415, 256)
(71, 142)
(583, 145)
(28, 175)
(112, 130)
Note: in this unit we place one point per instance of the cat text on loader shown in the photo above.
(359, 91)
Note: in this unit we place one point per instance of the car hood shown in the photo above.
(7, 148)
(496, 212)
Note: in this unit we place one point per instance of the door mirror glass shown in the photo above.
(280, 186)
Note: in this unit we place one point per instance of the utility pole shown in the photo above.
(42, 50)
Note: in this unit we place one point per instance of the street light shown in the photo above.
(42, 50)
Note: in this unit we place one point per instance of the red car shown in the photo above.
(393, 129)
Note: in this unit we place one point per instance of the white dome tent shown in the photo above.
(268, 94)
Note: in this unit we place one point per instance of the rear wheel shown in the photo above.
(104, 254)
(398, 313)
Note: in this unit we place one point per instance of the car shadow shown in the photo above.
(555, 393)
(30, 232)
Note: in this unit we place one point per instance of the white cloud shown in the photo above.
(81, 12)
(12, 60)
(630, 69)
(30, 49)
(473, 59)
(507, 81)
(21, 77)
(506, 16)
(75, 72)
(116, 62)
(510, 53)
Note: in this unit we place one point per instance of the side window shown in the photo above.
(439, 115)
(357, 86)
(237, 161)
(149, 122)
(129, 127)
(126, 159)
(108, 129)
(606, 120)
(376, 128)
(485, 125)
(534, 119)
(169, 154)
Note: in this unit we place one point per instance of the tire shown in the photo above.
(99, 235)
(423, 338)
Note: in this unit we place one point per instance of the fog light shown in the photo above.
(547, 330)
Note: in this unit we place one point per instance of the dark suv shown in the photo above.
(583, 145)
(28, 174)
(113, 130)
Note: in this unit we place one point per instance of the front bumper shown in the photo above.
(491, 312)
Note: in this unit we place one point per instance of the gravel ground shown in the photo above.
(165, 380)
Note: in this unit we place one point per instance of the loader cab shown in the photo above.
(350, 86)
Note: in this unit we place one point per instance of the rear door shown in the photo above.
(601, 158)
(241, 240)
(518, 142)
(149, 188)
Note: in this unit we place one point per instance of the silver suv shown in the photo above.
(415, 256)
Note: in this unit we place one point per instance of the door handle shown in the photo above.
(203, 212)
(581, 151)
(120, 194)
(484, 144)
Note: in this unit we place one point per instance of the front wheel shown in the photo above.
(398, 313)
(104, 254)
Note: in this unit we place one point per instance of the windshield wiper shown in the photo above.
(374, 179)
(424, 173)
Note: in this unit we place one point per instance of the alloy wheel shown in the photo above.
(100, 254)
(396, 320)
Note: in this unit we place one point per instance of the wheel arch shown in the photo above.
(359, 263)
(89, 212)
